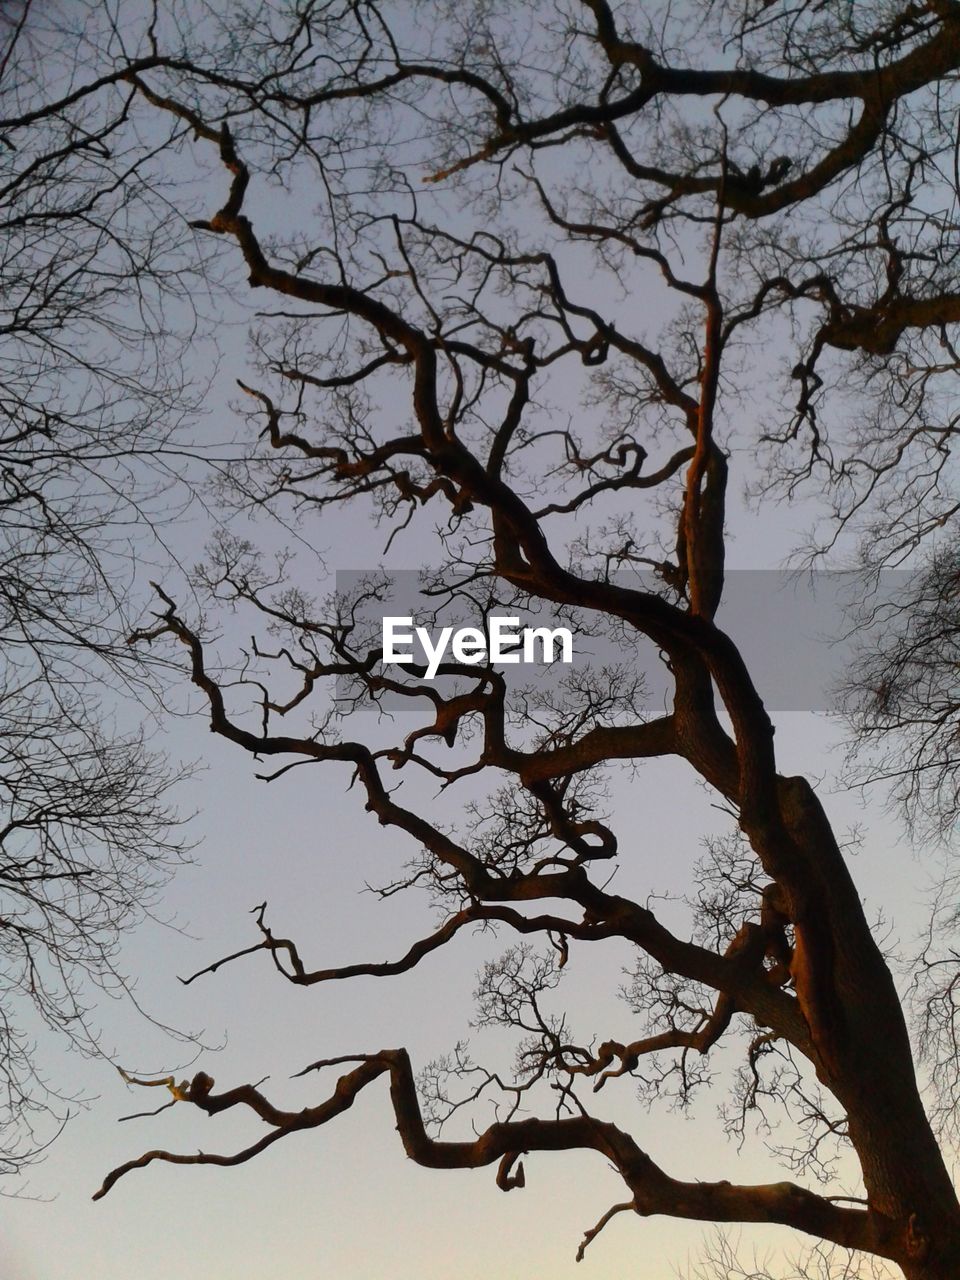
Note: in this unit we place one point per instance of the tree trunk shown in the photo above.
(942, 1267)
(856, 1018)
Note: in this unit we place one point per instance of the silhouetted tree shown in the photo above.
(706, 225)
(90, 400)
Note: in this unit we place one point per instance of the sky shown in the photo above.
(343, 1200)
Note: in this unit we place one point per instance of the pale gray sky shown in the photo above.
(343, 1200)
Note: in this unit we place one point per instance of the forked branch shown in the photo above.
(653, 1190)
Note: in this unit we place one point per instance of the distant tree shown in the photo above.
(564, 267)
(90, 401)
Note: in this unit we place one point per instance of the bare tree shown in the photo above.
(613, 208)
(722, 1255)
(90, 404)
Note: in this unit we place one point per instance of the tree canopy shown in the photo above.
(91, 396)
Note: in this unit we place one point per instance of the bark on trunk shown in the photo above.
(866, 1057)
(945, 1267)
